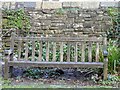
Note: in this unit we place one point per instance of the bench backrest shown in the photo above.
(58, 49)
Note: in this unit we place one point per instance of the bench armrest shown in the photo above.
(105, 53)
(8, 52)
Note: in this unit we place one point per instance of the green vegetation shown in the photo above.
(16, 19)
(114, 40)
(114, 32)
(19, 20)
(112, 80)
(114, 56)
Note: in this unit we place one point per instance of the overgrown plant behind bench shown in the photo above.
(57, 52)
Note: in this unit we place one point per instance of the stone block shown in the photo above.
(51, 5)
(44, 27)
(87, 19)
(74, 4)
(77, 25)
(90, 5)
(53, 28)
(38, 5)
(86, 15)
(87, 24)
(66, 4)
(109, 4)
(99, 18)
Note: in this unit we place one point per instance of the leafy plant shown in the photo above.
(114, 55)
(112, 80)
(16, 19)
(114, 31)
(34, 73)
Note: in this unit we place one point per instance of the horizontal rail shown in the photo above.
(56, 64)
(62, 39)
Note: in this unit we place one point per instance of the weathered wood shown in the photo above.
(19, 49)
(26, 50)
(61, 51)
(6, 69)
(40, 51)
(65, 39)
(68, 52)
(90, 52)
(97, 52)
(56, 64)
(33, 49)
(84, 41)
(83, 52)
(12, 40)
(105, 59)
(12, 48)
(54, 52)
(105, 71)
(75, 53)
(105, 43)
(47, 51)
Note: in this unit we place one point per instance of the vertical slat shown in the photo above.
(97, 52)
(90, 52)
(83, 52)
(33, 49)
(19, 48)
(47, 51)
(68, 52)
(40, 51)
(12, 41)
(75, 53)
(61, 51)
(26, 50)
(54, 51)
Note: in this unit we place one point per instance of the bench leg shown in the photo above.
(105, 72)
(6, 70)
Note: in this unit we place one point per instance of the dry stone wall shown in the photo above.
(70, 22)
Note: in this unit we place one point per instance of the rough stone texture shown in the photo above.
(0, 30)
(56, 4)
(87, 21)
(90, 5)
(109, 4)
(51, 5)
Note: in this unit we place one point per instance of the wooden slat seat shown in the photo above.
(57, 64)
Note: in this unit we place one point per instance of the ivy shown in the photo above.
(16, 19)
(114, 32)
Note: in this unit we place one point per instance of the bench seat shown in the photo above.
(56, 64)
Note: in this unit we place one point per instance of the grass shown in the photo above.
(7, 84)
(52, 86)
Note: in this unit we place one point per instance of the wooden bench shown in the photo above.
(57, 52)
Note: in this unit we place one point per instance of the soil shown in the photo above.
(69, 77)
(63, 77)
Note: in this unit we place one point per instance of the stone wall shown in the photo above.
(67, 22)
(57, 4)
(0, 29)
(67, 17)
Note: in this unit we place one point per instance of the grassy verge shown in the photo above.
(7, 84)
